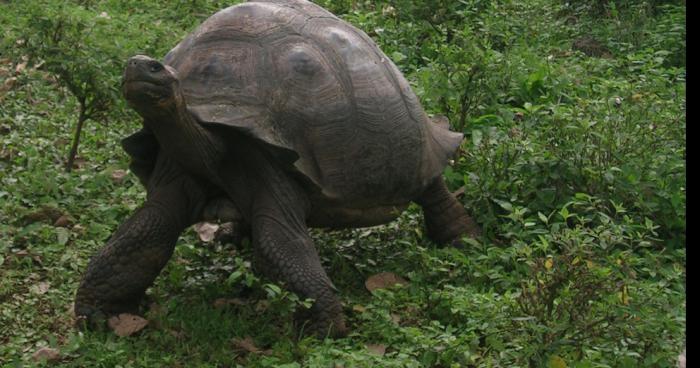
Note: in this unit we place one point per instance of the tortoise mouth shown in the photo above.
(146, 92)
(144, 81)
(150, 100)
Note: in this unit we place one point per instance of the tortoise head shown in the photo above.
(149, 86)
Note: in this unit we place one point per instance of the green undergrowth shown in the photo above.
(573, 164)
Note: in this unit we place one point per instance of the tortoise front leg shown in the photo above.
(119, 274)
(285, 252)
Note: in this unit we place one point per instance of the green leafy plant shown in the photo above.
(84, 49)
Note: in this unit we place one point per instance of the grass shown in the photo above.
(574, 165)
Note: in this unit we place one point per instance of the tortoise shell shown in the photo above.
(318, 93)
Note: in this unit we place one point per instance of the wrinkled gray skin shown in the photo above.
(280, 116)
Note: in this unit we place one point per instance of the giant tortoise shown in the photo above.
(294, 118)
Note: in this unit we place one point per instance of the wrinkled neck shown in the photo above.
(165, 115)
(182, 137)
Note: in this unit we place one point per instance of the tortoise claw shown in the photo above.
(89, 318)
(320, 327)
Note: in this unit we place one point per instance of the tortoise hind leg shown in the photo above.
(445, 218)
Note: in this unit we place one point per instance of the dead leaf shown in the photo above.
(248, 345)
(556, 361)
(47, 354)
(358, 308)
(549, 263)
(384, 280)
(262, 306)
(459, 192)
(377, 349)
(8, 84)
(63, 221)
(591, 47)
(44, 214)
(79, 163)
(156, 309)
(206, 231)
(118, 175)
(20, 67)
(395, 318)
(127, 324)
(70, 310)
(176, 333)
(222, 302)
(22, 253)
(40, 288)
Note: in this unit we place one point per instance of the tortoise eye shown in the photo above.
(156, 67)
